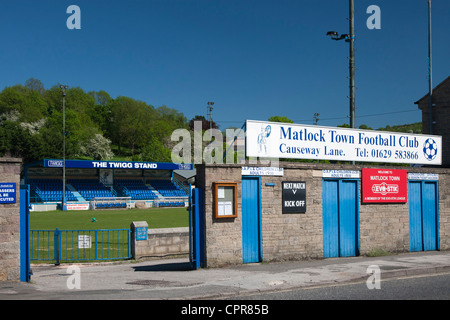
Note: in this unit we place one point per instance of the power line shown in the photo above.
(365, 116)
(336, 118)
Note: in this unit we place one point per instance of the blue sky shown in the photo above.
(253, 58)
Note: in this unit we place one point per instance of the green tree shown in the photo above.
(280, 119)
(101, 112)
(130, 121)
(35, 85)
(154, 150)
(97, 148)
(205, 123)
(30, 104)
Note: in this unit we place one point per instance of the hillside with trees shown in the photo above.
(97, 126)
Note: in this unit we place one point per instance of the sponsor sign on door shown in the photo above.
(384, 186)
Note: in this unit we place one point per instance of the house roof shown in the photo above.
(441, 85)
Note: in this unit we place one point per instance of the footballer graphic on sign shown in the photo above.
(430, 149)
(262, 138)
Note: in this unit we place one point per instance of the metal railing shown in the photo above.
(79, 245)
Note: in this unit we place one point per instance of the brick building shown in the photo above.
(441, 116)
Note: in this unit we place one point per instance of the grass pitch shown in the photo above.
(109, 219)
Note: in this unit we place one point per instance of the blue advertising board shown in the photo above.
(8, 192)
(141, 233)
(89, 164)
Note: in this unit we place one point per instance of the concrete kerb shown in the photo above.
(394, 271)
(221, 283)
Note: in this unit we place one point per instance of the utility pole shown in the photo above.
(209, 109)
(350, 38)
(63, 204)
(352, 63)
(430, 70)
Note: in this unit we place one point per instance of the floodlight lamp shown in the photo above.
(332, 34)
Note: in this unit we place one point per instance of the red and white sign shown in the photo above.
(77, 206)
(384, 185)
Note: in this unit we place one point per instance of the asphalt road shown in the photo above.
(423, 287)
(173, 279)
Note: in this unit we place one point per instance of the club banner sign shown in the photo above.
(285, 140)
(384, 186)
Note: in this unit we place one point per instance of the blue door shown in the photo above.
(251, 220)
(340, 218)
(348, 218)
(330, 218)
(423, 216)
(415, 216)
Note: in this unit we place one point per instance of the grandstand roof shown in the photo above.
(95, 164)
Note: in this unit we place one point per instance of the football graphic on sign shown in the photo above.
(430, 149)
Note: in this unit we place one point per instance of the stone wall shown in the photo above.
(10, 223)
(160, 242)
(291, 236)
(223, 237)
(300, 236)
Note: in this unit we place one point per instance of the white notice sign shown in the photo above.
(261, 171)
(84, 242)
(423, 176)
(225, 208)
(340, 174)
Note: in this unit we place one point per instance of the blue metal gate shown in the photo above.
(196, 225)
(251, 220)
(340, 218)
(78, 245)
(25, 270)
(423, 216)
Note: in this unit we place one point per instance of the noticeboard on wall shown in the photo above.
(225, 200)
